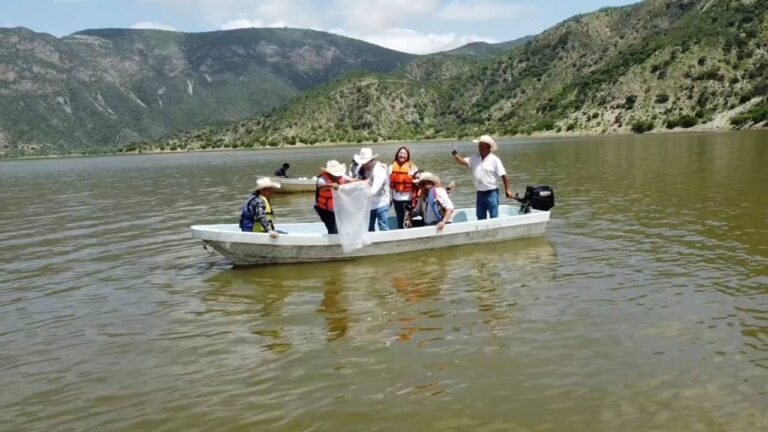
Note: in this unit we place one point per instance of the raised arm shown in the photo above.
(459, 158)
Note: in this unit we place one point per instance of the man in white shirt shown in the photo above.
(487, 170)
(376, 174)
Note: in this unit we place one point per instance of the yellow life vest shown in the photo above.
(270, 216)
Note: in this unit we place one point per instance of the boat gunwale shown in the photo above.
(217, 233)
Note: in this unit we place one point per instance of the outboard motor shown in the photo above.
(537, 197)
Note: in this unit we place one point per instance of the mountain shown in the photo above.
(101, 89)
(658, 64)
(485, 49)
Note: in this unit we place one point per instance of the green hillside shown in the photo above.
(659, 64)
(103, 89)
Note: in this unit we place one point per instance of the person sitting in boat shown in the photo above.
(376, 174)
(331, 178)
(401, 182)
(283, 170)
(434, 206)
(257, 215)
(487, 170)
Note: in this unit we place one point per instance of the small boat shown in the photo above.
(295, 184)
(309, 242)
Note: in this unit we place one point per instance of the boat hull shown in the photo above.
(305, 243)
(295, 185)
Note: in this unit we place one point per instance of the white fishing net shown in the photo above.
(352, 205)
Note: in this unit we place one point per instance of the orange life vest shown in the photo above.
(324, 196)
(401, 179)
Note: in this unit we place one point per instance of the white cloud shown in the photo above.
(480, 10)
(150, 25)
(381, 14)
(229, 13)
(246, 23)
(412, 41)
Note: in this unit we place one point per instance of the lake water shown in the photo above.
(644, 308)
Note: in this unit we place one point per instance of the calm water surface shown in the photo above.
(644, 308)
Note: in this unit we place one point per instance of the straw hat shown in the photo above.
(265, 182)
(488, 140)
(334, 168)
(428, 176)
(365, 156)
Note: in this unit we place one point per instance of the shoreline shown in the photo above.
(535, 135)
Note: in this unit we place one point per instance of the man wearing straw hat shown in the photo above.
(434, 205)
(257, 215)
(376, 174)
(487, 170)
(329, 180)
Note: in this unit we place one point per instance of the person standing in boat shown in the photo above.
(328, 181)
(257, 215)
(283, 170)
(434, 206)
(487, 170)
(375, 173)
(401, 182)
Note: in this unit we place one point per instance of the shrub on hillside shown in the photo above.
(642, 126)
(685, 121)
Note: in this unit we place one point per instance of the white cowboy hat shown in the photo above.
(365, 156)
(428, 176)
(334, 168)
(488, 140)
(265, 182)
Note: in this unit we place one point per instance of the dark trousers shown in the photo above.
(400, 212)
(328, 218)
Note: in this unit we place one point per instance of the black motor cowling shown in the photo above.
(537, 197)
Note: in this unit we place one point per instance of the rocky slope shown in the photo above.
(659, 64)
(102, 89)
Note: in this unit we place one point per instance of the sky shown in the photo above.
(415, 26)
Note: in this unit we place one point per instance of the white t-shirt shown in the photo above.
(379, 186)
(402, 196)
(486, 173)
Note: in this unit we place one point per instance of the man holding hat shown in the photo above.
(329, 180)
(487, 170)
(376, 174)
(257, 215)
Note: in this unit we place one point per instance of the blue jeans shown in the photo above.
(487, 203)
(381, 215)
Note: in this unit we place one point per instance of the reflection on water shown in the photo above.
(644, 308)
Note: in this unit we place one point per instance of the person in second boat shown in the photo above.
(283, 170)
(434, 206)
(257, 214)
(487, 170)
(331, 178)
(401, 182)
(375, 173)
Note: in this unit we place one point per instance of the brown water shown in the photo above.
(644, 308)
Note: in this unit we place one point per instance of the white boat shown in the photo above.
(309, 242)
(295, 184)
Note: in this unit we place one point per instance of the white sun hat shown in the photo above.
(265, 182)
(334, 168)
(428, 176)
(365, 156)
(488, 140)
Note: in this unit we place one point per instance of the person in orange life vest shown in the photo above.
(401, 184)
(328, 180)
(434, 206)
(257, 215)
